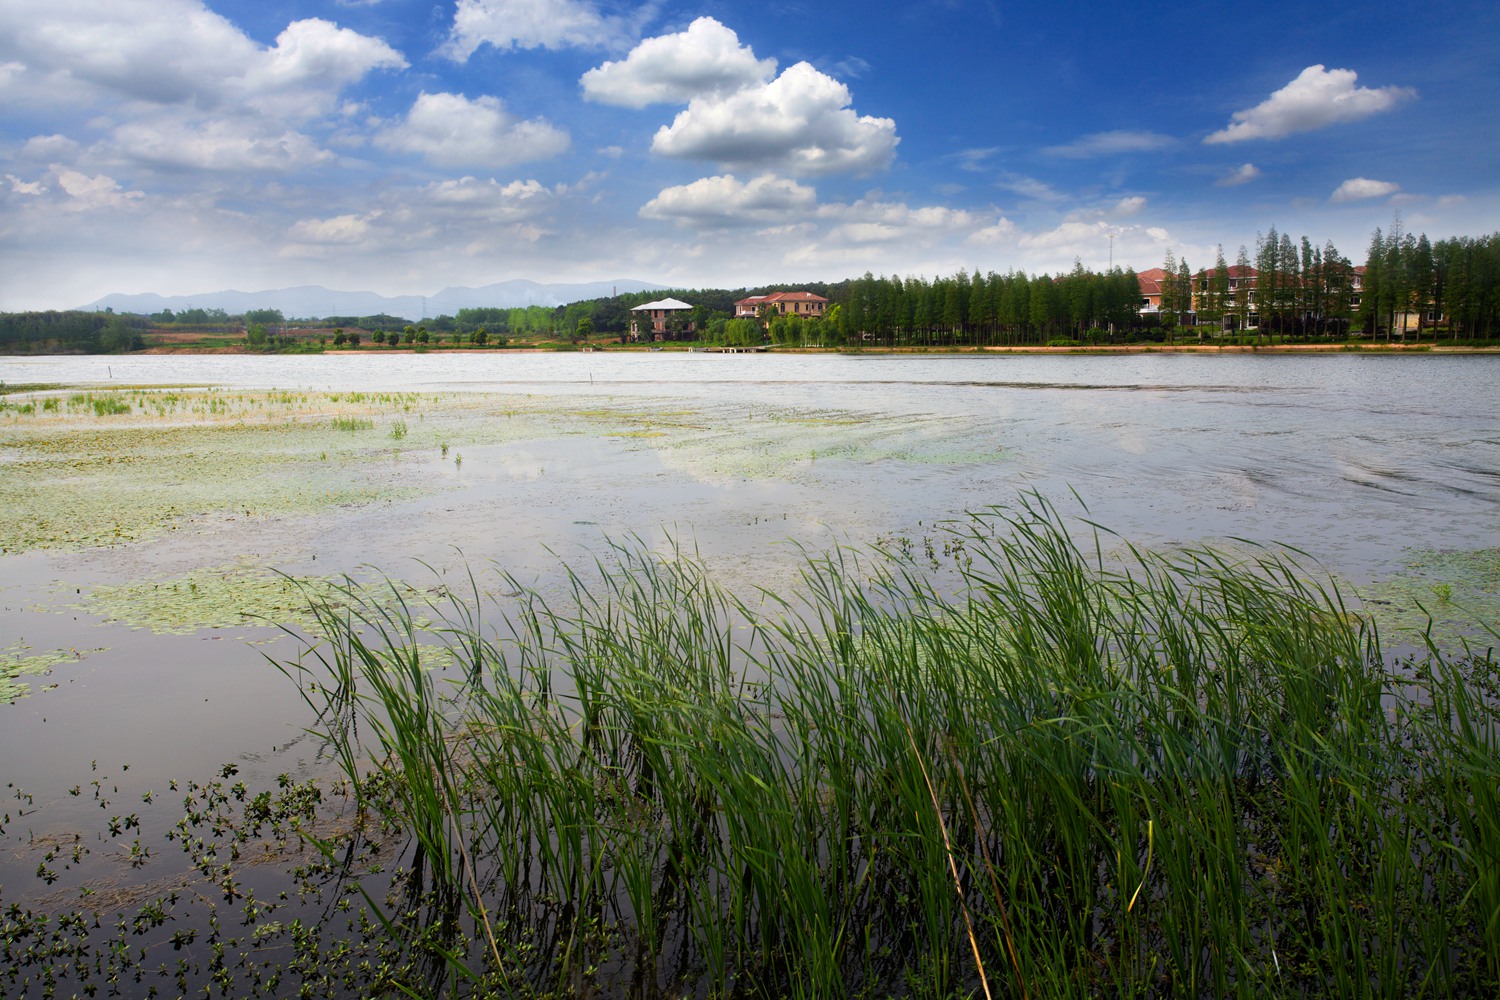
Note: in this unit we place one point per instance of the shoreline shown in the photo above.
(1097, 350)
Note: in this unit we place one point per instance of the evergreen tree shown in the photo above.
(1245, 294)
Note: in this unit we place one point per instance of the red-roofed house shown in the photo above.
(1150, 281)
(804, 304)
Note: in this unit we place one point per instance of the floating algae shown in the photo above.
(15, 664)
(1441, 594)
(211, 598)
(101, 469)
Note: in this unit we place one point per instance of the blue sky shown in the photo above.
(403, 146)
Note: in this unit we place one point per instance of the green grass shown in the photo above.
(1071, 775)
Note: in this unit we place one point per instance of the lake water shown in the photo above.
(1367, 462)
(1349, 456)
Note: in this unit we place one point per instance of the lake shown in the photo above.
(142, 521)
(1383, 467)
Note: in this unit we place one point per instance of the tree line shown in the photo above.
(71, 332)
(1411, 284)
(1408, 286)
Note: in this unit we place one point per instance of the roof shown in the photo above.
(1150, 280)
(782, 297)
(661, 305)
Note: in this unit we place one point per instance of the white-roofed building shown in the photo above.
(664, 319)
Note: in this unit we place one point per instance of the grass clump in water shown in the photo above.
(353, 423)
(1155, 775)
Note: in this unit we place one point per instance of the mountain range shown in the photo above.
(308, 301)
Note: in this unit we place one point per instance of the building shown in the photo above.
(1150, 281)
(664, 319)
(804, 304)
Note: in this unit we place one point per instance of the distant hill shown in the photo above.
(314, 300)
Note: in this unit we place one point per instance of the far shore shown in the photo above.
(1099, 349)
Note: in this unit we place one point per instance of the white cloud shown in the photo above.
(18, 186)
(538, 24)
(1243, 174)
(1112, 144)
(1071, 237)
(160, 51)
(1028, 187)
(872, 220)
(973, 160)
(49, 148)
(450, 130)
(177, 52)
(1127, 207)
(800, 123)
(726, 201)
(1360, 188)
(312, 61)
(341, 230)
(489, 200)
(1317, 98)
(86, 193)
(226, 144)
(1003, 231)
(705, 59)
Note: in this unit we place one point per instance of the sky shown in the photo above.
(406, 146)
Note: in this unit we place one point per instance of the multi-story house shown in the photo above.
(660, 320)
(804, 304)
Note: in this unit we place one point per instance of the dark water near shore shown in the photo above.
(1361, 461)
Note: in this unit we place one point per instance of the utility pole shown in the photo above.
(1111, 238)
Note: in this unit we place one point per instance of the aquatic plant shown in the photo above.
(1073, 774)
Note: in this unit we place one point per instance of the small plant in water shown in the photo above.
(398, 430)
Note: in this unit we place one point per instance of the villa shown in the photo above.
(662, 320)
(804, 304)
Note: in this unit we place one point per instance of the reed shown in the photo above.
(1086, 769)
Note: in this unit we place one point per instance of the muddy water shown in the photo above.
(1370, 463)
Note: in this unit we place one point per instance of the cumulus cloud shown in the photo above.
(1128, 207)
(1317, 98)
(1243, 174)
(312, 61)
(1002, 231)
(217, 145)
(726, 201)
(799, 123)
(178, 52)
(49, 148)
(489, 200)
(86, 193)
(449, 130)
(539, 24)
(1361, 188)
(706, 59)
(340, 230)
(18, 186)
(1071, 237)
(873, 220)
(1111, 144)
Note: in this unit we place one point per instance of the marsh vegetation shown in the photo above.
(1073, 775)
